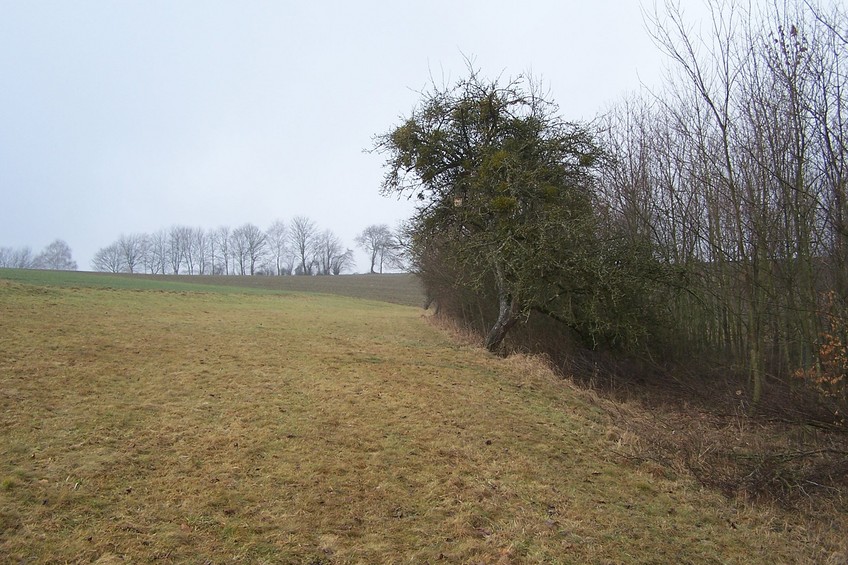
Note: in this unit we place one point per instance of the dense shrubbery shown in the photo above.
(508, 224)
(703, 225)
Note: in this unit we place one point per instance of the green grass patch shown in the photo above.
(64, 279)
(304, 428)
(402, 289)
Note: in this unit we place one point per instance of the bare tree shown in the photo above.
(249, 245)
(328, 248)
(201, 246)
(133, 249)
(108, 259)
(221, 252)
(398, 252)
(56, 256)
(257, 245)
(196, 249)
(736, 174)
(16, 258)
(238, 250)
(157, 257)
(277, 248)
(302, 235)
(342, 262)
(177, 243)
(190, 247)
(377, 241)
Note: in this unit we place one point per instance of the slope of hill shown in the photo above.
(170, 425)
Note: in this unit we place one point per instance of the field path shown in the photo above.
(140, 426)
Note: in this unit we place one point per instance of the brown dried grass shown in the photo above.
(167, 426)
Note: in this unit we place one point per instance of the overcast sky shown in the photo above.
(132, 116)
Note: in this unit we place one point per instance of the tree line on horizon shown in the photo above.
(704, 223)
(299, 248)
(296, 248)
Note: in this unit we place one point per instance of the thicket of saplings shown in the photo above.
(694, 239)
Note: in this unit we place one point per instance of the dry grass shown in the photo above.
(797, 467)
(144, 426)
(397, 288)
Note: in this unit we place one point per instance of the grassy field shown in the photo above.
(175, 422)
(395, 288)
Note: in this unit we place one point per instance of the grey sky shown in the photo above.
(131, 116)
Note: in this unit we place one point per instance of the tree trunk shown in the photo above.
(507, 315)
(506, 319)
